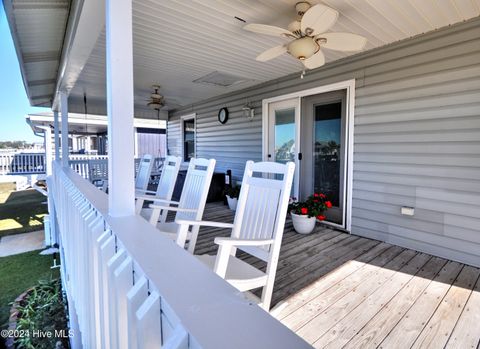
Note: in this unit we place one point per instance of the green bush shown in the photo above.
(43, 312)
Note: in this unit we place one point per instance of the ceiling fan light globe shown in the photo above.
(156, 96)
(154, 106)
(303, 48)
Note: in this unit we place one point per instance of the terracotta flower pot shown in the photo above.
(232, 203)
(302, 223)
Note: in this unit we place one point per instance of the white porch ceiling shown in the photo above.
(177, 42)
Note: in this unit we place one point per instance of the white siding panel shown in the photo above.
(416, 138)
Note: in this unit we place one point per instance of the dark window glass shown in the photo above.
(327, 155)
(188, 139)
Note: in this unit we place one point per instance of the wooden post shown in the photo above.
(56, 135)
(121, 171)
(64, 109)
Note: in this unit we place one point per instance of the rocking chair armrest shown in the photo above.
(242, 242)
(141, 192)
(145, 197)
(168, 202)
(204, 223)
(171, 208)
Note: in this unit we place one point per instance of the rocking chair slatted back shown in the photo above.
(144, 171)
(262, 205)
(168, 177)
(195, 190)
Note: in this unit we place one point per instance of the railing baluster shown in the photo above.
(107, 251)
(135, 298)
(149, 334)
(122, 281)
(112, 265)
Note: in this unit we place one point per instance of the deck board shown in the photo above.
(338, 290)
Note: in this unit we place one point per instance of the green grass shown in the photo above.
(20, 211)
(17, 274)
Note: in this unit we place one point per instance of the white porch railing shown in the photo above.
(90, 167)
(131, 287)
(95, 167)
(22, 163)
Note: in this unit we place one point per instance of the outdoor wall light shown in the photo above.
(248, 111)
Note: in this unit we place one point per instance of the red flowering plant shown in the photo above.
(314, 206)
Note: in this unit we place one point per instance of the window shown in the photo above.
(188, 139)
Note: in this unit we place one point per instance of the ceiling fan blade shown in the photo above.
(268, 30)
(318, 19)
(272, 53)
(317, 60)
(344, 41)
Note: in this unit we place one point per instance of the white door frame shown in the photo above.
(349, 86)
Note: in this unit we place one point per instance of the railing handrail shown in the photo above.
(209, 309)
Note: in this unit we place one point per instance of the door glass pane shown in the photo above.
(285, 135)
(188, 139)
(327, 156)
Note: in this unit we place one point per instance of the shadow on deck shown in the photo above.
(340, 290)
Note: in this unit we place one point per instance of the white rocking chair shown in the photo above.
(166, 184)
(144, 171)
(257, 229)
(192, 201)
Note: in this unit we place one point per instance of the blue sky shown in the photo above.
(13, 99)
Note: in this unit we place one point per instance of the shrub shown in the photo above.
(314, 206)
(233, 192)
(43, 310)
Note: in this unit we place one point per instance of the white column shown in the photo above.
(136, 142)
(88, 141)
(64, 109)
(56, 135)
(48, 150)
(118, 25)
(75, 141)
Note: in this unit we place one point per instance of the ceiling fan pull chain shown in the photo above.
(303, 74)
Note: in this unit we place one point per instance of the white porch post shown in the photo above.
(136, 143)
(88, 141)
(118, 25)
(64, 109)
(48, 150)
(75, 145)
(56, 135)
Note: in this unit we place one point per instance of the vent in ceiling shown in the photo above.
(220, 79)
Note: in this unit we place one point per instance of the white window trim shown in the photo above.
(183, 118)
(349, 86)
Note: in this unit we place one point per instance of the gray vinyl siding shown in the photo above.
(416, 138)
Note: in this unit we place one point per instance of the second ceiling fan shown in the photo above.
(308, 34)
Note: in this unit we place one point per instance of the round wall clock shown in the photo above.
(223, 115)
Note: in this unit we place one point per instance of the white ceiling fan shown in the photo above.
(308, 34)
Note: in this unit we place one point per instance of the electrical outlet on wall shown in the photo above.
(407, 211)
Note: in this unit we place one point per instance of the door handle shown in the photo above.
(300, 156)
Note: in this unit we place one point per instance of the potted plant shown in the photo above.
(232, 194)
(306, 213)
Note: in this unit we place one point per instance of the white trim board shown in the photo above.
(349, 86)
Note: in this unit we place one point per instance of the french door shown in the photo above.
(312, 131)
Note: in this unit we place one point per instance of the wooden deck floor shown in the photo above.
(342, 291)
